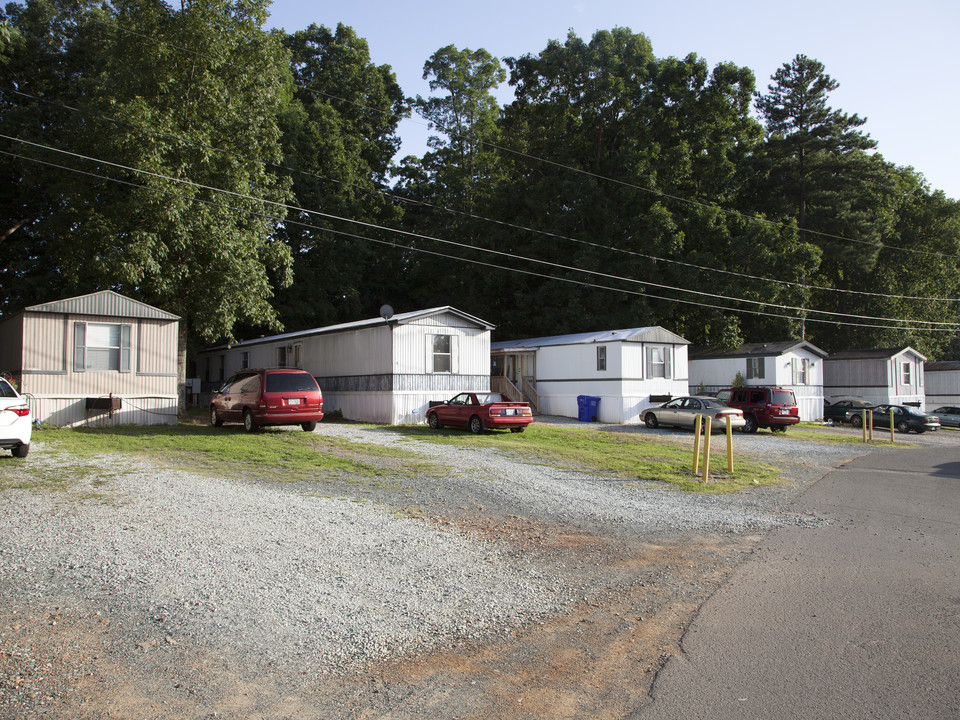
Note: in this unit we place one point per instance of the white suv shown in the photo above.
(15, 421)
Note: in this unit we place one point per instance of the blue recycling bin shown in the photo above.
(587, 408)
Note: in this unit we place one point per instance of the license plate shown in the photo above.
(784, 411)
(293, 401)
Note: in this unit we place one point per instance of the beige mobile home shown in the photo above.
(97, 359)
(384, 370)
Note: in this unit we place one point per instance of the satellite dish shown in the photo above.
(386, 312)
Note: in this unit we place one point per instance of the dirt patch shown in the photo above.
(596, 660)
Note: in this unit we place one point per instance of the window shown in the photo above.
(907, 373)
(601, 358)
(245, 359)
(756, 368)
(801, 370)
(101, 347)
(442, 354)
(658, 362)
(282, 356)
(298, 355)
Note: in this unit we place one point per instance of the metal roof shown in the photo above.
(398, 319)
(769, 349)
(104, 302)
(644, 334)
(873, 353)
(942, 366)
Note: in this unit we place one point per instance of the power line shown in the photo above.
(401, 198)
(470, 247)
(635, 186)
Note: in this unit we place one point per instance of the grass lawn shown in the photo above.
(285, 455)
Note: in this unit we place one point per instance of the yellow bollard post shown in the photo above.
(729, 446)
(892, 439)
(696, 444)
(870, 415)
(706, 451)
(863, 423)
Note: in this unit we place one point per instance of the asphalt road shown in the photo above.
(857, 618)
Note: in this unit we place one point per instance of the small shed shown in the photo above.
(383, 370)
(628, 370)
(942, 383)
(879, 376)
(101, 358)
(795, 365)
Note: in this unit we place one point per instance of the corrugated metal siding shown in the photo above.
(942, 386)
(44, 344)
(105, 302)
(72, 412)
(148, 392)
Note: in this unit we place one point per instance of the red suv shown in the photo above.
(268, 397)
(763, 407)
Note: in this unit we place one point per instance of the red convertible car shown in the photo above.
(479, 411)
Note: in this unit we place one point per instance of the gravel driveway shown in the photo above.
(146, 591)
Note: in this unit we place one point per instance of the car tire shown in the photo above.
(433, 421)
(476, 425)
(21, 450)
(903, 427)
(856, 421)
(215, 418)
(517, 429)
(309, 426)
(750, 424)
(650, 420)
(249, 424)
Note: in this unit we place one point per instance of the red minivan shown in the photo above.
(275, 396)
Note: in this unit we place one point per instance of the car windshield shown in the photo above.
(783, 397)
(490, 398)
(290, 382)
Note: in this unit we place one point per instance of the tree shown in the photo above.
(170, 121)
(645, 160)
(339, 137)
(820, 175)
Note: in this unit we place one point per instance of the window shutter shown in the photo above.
(80, 347)
(124, 348)
(668, 362)
(454, 355)
(649, 353)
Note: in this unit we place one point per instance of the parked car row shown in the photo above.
(902, 417)
(286, 396)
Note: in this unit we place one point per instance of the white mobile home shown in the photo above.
(384, 370)
(101, 358)
(883, 375)
(628, 370)
(792, 365)
(942, 383)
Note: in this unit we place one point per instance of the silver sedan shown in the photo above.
(683, 411)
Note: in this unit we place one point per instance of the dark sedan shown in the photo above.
(905, 418)
(846, 411)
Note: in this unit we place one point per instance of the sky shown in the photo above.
(897, 63)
